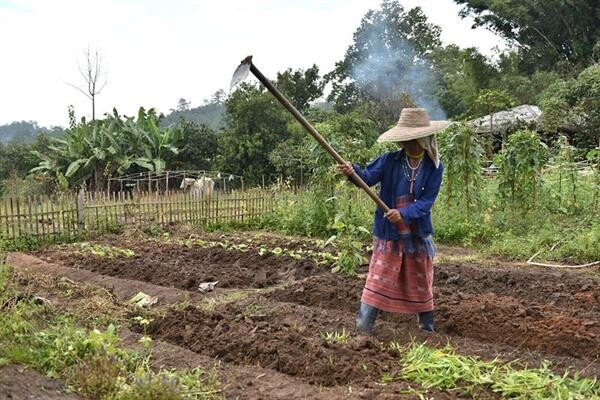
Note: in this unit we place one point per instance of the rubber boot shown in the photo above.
(425, 321)
(365, 320)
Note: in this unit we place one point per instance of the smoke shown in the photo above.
(386, 67)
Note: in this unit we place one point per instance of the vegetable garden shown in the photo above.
(280, 324)
(117, 284)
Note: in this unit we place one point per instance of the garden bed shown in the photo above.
(278, 308)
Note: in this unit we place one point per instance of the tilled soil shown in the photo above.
(506, 312)
(184, 267)
(18, 382)
(524, 312)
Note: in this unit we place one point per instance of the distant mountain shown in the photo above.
(210, 114)
(25, 131)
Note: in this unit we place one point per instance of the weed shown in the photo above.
(331, 360)
(101, 250)
(98, 377)
(154, 230)
(336, 337)
(444, 369)
(92, 361)
(210, 303)
(254, 310)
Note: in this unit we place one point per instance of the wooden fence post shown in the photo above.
(80, 213)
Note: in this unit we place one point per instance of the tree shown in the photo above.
(352, 135)
(553, 35)
(301, 86)
(386, 62)
(198, 144)
(571, 107)
(461, 74)
(91, 152)
(210, 113)
(256, 123)
(92, 77)
(151, 144)
(25, 131)
(488, 102)
(525, 87)
(182, 105)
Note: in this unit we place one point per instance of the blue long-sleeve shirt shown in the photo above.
(387, 170)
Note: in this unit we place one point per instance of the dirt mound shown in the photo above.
(536, 285)
(329, 291)
(185, 267)
(503, 319)
(283, 337)
(531, 314)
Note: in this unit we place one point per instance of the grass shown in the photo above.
(92, 362)
(211, 303)
(336, 337)
(444, 369)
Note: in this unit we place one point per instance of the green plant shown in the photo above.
(98, 377)
(145, 340)
(93, 362)
(461, 151)
(101, 250)
(520, 168)
(154, 230)
(21, 243)
(567, 172)
(444, 369)
(336, 337)
(593, 156)
(349, 244)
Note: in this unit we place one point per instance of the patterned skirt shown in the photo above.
(400, 277)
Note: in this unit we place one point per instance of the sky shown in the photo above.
(155, 52)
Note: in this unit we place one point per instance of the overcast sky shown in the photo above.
(155, 52)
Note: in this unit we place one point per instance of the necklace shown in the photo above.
(414, 173)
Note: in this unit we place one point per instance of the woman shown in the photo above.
(400, 277)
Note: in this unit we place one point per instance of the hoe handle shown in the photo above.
(300, 118)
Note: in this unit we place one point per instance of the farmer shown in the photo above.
(400, 277)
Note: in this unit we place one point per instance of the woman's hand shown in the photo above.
(346, 169)
(394, 216)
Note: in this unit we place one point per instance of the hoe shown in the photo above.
(242, 72)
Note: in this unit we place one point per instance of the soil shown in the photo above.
(174, 265)
(20, 383)
(492, 312)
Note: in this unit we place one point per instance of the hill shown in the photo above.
(210, 114)
(24, 131)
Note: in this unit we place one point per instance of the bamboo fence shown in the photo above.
(69, 215)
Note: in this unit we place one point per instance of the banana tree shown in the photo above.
(89, 153)
(92, 152)
(154, 144)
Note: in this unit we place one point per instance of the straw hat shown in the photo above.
(414, 123)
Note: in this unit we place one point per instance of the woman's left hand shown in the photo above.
(394, 216)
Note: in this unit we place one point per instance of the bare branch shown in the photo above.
(79, 89)
(91, 76)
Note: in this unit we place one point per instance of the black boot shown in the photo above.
(425, 321)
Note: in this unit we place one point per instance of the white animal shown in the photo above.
(198, 187)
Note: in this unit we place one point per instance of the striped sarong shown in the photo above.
(400, 277)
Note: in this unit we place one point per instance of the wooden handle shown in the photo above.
(300, 118)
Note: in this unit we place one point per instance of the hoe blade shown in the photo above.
(241, 72)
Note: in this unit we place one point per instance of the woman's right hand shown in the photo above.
(346, 169)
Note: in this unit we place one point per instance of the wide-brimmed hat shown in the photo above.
(414, 123)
